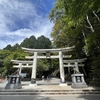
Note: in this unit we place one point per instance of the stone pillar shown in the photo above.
(62, 75)
(76, 66)
(73, 79)
(82, 78)
(20, 68)
(33, 77)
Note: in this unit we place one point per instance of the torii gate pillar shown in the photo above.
(33, 77)
(62, 75)
(20, 68)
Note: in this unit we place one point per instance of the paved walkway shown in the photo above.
(55, 87)
(68, 97)
(45, 86)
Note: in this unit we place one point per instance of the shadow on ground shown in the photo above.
(25, 98)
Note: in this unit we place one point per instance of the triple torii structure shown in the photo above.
(60, 56)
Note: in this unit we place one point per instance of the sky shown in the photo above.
(20, 19)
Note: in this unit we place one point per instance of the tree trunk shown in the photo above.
(84, 36)
(96, 16)
(91, 27)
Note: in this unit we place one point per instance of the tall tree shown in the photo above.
(29, 42)
(78, 24)
(43, 43)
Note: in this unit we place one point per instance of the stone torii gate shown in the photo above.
(60, 56)
(77, 78)
(75, 63)
(21, 64)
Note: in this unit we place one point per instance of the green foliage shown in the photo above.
(42, 66)
(40, 43)
(8, 47)
(7, 65)
(93, 43)
(16, 53)
(96, 66)
(3, 55)
(43, 43)
(29, 42)
(78, 24)
(47, 65)
(12, 48)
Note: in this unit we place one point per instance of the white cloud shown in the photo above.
(2, 44)
(20, 19)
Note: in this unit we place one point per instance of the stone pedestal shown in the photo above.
(78, 81)
(33, 82)
(63, 82)
(14, 82)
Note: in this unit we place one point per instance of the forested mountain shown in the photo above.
(77, 22)
(15, 52)
(41, 42)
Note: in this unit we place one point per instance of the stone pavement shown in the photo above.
(48, 86)
(43, 85)
(67, 97)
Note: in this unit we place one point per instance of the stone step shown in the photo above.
(47, 92)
